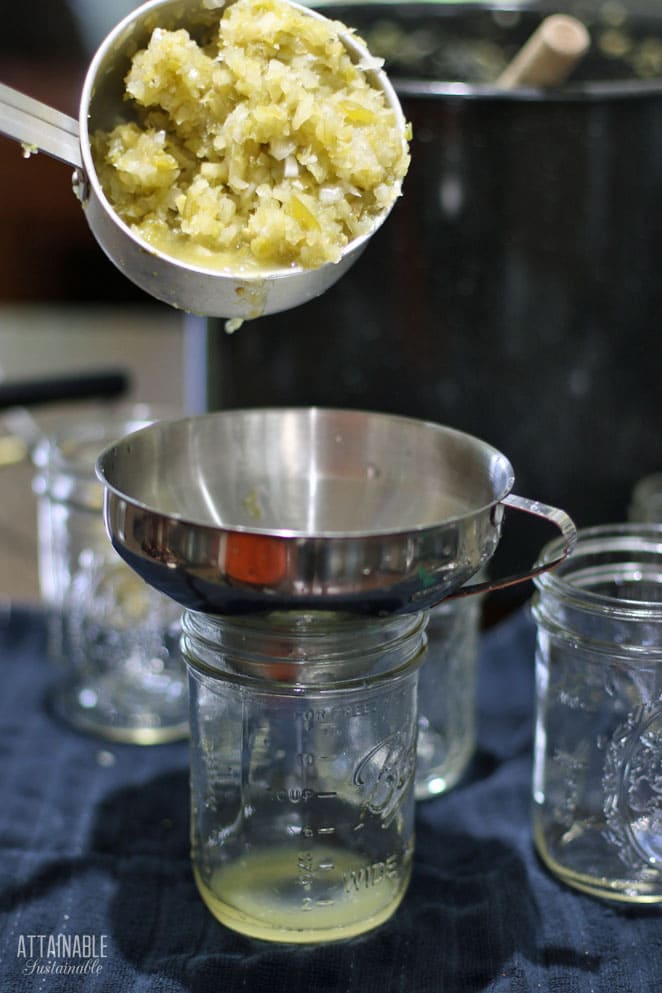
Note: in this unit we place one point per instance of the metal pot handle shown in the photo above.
(557, 517)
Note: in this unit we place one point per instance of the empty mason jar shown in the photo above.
(646, 500)
(303, 750)
(597, 782)
(113, 639)
(447, 696)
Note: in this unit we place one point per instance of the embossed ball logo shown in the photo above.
(632, 788)
(386, 772)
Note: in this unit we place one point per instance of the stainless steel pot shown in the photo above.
(515, 291)
(272, 509)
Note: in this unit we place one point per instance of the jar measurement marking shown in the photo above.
(305, 864)
(305, 872)
(326, 719)
(309, 904)
(296, 795)
(311, 832)
(308, 759)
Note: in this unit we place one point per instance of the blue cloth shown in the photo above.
(94, 841)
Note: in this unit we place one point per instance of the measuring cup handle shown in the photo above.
(557, 517)
(39, 127)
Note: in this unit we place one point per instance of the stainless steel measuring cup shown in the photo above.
(180, 284)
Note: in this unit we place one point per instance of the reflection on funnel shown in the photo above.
(305, 508)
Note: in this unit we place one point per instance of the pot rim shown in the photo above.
(571, 92)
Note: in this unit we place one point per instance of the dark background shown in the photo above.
(514, 292)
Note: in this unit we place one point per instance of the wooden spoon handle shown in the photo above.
(550, 54)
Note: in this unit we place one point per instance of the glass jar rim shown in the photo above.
(235, 654)
(629, 543)
(73, 447)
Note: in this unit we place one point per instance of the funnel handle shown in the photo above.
(39, 127)
(557, 517)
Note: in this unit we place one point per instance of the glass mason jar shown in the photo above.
(447, 696)
(114, 641)
(646, 500)
(597, 781)
(303, 752)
